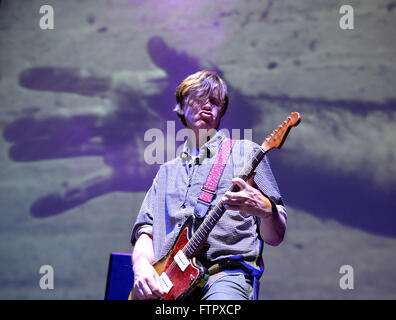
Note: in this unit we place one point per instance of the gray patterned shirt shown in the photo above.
(174, 193)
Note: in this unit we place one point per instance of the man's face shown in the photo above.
(202, 113)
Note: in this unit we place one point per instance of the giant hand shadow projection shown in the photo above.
(139, 101)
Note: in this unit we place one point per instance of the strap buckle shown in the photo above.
(208, 191)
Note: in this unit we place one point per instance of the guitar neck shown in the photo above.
(198, 239)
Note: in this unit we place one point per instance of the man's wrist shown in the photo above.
(139, 261)
(270, 207)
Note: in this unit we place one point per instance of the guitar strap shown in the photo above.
(208, 191)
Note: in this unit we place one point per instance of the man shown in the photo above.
(254, 214)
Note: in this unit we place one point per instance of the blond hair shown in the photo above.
(201, 85)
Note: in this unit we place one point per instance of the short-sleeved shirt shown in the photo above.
(174, 194)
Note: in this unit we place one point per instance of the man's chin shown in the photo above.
(204, 124)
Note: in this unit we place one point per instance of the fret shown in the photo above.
(188, 251)
(208, 226)
(199, 235)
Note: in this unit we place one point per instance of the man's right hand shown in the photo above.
(146, 281)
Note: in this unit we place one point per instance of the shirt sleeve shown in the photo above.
(144, 219)
(265, 180)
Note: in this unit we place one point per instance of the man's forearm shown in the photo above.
(143, 249)
(273, 227)
(146, 280)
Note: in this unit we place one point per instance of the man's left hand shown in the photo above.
(247, 199)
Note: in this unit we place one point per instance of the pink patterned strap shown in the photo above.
(209, 189)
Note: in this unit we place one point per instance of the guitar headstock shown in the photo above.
(278, 136)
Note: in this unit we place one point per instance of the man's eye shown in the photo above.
(195, 102)
(214, 101)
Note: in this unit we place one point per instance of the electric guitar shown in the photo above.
(180, 271)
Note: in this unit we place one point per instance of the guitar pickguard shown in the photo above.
(185, 279)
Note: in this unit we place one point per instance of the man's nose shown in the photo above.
(207, 105)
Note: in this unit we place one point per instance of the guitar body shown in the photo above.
(182, 283)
